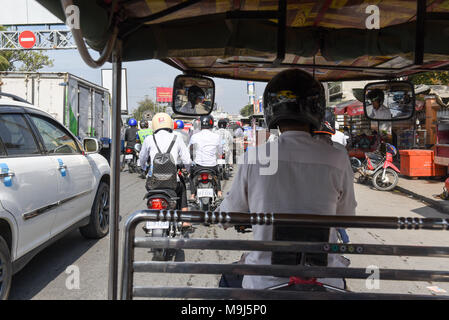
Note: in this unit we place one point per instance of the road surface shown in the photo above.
(47, 275)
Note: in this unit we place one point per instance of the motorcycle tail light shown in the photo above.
(128, 150)
(223, 156)
(157, 204)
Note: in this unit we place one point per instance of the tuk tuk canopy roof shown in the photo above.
(240, 39)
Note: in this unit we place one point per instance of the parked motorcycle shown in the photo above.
(379, 168)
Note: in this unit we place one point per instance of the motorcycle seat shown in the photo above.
(168, 192)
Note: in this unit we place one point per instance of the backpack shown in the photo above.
(164, 170)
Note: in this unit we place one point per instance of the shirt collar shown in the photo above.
(296, 134)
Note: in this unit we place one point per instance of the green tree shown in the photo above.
(23, 60)
(144, 105)
(247, 110)
(434, 77)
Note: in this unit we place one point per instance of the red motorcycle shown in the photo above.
(378, 167)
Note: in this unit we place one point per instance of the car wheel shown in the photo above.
(98, 226)
(5, 269)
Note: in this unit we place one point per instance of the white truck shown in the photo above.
(83, 107)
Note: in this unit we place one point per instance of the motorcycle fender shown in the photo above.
(392, 166)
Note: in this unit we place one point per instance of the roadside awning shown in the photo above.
(350, 108)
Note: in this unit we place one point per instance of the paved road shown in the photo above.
(45, 278)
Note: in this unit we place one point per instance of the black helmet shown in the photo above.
(194, 93)
(294, 95)
(376, 95)
(207, 122)
(328, 123)
(143, 124)
(223, 123)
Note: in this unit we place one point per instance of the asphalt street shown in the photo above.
(47, 275)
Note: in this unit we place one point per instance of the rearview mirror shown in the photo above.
(91, 145)
(193, 95)
(389, 101)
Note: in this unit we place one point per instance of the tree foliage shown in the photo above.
(430, 78)
(146, 105)
(23, 60)
(247, 110)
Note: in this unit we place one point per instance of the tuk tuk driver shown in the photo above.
(195, 97)
(379, 111)
(311, 178)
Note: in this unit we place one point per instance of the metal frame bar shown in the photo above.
(282, 25)
(420, 31)
(115, 173)
(286, 271)
(45, 40)
(247, 294)
(129, 267)
(293, 246)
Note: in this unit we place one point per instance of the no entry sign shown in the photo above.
(27, 39)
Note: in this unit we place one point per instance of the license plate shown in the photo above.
(205, 193)
(128, 157)
(157, 225)
(221, 161)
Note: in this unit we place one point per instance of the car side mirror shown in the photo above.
(91, 145)
(389, 101)
(193, 95)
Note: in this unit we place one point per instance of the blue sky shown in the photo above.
(142, 75)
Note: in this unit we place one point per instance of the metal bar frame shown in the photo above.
(129, 267)
(115, 173)
(250, 294)
(294, 246)
(282, 25)
(420, 31)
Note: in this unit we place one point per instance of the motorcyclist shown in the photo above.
(226, 139)
(144, 131)
(162, 125)
(131, 133)
(179, 130)
(311, 178)
(328, 130)
(206, 147)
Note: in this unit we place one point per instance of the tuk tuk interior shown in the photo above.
(252, 40)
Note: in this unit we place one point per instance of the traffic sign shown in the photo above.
(27, 39)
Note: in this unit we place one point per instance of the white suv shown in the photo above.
(49, 185)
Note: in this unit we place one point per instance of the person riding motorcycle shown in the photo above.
(226, 139)
(179, 130)
(205, 146)
(328, 131)
(311, 177)
(131, 133)
(144, 131)
(162, 125)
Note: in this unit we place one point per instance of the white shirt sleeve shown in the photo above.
(184, 154)
(144, 152)
(346, 203)
(237, 198)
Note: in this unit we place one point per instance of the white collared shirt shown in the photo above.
(206, 148)
(312, 177)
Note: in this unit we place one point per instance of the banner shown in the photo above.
(164, 94)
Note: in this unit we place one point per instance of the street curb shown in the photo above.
(443, 208)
